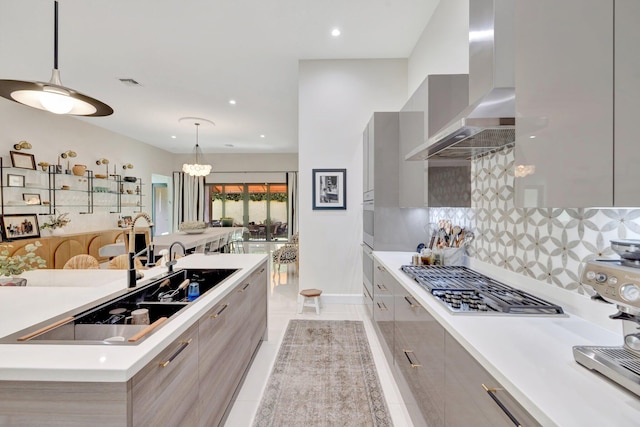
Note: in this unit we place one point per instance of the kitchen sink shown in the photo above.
(111, 322)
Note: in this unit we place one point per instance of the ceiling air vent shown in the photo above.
(129, 82)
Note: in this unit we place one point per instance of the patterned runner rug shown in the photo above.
(324, 375)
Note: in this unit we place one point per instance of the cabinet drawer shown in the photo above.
(165, 392)
(474, 397)
(419, 357)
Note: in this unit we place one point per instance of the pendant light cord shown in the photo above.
(197, 145)
(55, 35)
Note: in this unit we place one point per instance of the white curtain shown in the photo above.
(189, 198)
(292, 185)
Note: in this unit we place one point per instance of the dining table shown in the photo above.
(190, 240)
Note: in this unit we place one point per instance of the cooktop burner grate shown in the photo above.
(465, 291)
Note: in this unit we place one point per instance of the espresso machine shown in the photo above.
(617, 282)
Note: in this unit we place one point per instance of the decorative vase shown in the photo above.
(79, 169)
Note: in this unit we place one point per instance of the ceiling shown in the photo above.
(190, 57)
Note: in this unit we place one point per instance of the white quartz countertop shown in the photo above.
(53, 293)
(532, 358)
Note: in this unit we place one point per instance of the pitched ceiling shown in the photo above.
(190, 57)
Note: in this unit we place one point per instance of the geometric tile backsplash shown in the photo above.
(550, 245)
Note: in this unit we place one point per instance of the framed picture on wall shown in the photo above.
(23, 160)
(15, 180)
(20, 226)
(329, 189)
(31, 198)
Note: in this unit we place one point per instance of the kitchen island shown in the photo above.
(531, 357)
(132, 384)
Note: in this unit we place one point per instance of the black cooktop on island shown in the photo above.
(463, 291)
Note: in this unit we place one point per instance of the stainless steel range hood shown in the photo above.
(488, 123)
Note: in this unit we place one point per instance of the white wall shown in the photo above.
(335, 101)
(284, 162)
(51, 135)
(443, 47)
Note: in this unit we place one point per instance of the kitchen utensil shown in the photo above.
(168, 296)
(455, 232)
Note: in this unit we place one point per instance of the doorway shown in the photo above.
(262, 208)
(160, 214)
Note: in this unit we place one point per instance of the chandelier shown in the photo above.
(196, 169)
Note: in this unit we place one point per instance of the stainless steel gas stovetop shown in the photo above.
(463, 291)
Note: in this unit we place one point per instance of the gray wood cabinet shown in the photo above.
(576, 103)
(383, 308)
(217, 350)
(440, 382)
(191, 382)
(165, 391)
(229, 335)
(433, 104)
(468, 394)
(626, 104)
(419, 359)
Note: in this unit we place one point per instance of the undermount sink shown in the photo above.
(110, 322)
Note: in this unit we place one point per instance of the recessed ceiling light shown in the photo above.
(173, 137)
(262, 136)
(232, 101)
(335, 32)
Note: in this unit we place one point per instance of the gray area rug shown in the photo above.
(324, 375)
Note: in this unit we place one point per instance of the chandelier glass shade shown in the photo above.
(53, 96)
(196, 169)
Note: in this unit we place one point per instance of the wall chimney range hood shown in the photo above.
(488, 123)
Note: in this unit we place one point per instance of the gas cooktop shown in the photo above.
(463, 291)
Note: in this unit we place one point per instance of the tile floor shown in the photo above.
(283, 306)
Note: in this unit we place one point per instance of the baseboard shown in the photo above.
(342, 299)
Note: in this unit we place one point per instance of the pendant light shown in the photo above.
(196, 169)
(53, 96)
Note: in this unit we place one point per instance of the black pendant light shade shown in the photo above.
(53, 96)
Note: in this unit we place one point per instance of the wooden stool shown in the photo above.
(310, 293)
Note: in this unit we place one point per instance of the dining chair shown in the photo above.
(81, 262)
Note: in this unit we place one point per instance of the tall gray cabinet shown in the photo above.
(577, 91)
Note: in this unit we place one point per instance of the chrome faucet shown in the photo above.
(173, 261)
(132, 247)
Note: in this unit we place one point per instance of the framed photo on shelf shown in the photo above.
(329, 189)
(20, 226)
(23, 160)
(15, 180)
(31, 198)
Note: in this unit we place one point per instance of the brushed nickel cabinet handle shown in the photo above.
(183, 345)
(492, 393)
(381, 268)
(382, 287)
(262, 271)
(246, 286)
(411, 362)
(382, 306)
(412, 305)
(224, 307)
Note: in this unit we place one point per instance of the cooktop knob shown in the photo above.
(591, 275)
(601, 277)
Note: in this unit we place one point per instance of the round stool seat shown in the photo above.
(313, 297)
(309, 293)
